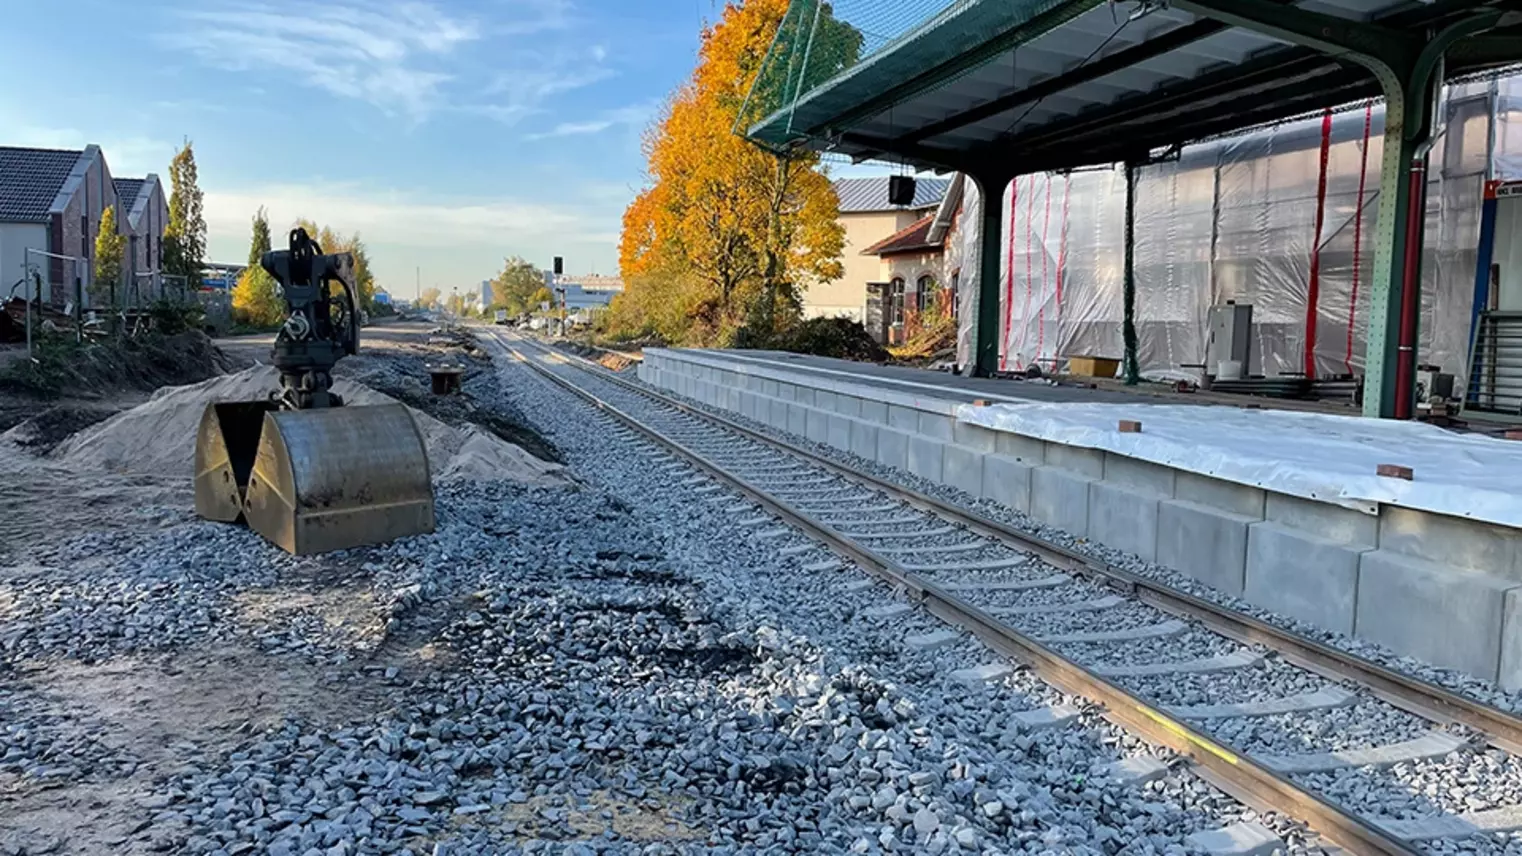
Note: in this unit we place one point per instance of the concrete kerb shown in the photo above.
(1391, 578)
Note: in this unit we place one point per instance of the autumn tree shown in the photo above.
(428, 297)
(184, 246)
(110, 250)
(514, 287)
(257, 301)
(337, 242)
(726, 234)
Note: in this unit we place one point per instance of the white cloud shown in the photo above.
(471, 236)
(127, 155)
(632, 115)
(390, 54)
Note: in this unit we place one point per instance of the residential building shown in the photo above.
(51, 200)
(919, 267)
(142, 215)
(868, 218)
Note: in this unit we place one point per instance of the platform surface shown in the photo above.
(964, 389)
(1328, 457)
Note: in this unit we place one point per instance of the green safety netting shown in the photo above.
(830, 59)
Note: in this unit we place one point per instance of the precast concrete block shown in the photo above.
(1511, 642)
(1218, 493)
(771, 388)
(777, 412)
(926, 457)
(892, 448)
(1028, 450)
(1123, 519)
(1331, 522)
(748, 402)
(963, 469)
(1205, 543)
(864, 439)
(787, 392)
(905, 419)
(1141, 476)
(817, 426)
(874, 411)
(1452, 541)
(839, 431)
(1302, 575)
(1428, 610)
(848, 405)
(797, 419)
(824, 399)
(804, 394)
(753, 384)
(1060, 497)
(975, 437)
(1084, 462)
(937, 425)
(1007, 481)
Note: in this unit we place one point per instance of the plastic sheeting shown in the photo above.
(1234, 219)
(1313, 455)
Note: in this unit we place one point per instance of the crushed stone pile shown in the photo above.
(159, 435)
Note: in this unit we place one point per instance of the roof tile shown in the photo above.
(30, 180)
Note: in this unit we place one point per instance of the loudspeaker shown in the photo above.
(559, 266)
(900, 190)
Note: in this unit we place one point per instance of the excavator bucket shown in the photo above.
(316, 480)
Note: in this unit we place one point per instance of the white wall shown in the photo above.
(14, 239)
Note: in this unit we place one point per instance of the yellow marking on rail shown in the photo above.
(1181, 731)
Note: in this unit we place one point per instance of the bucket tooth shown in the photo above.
(338, 477)
(226, 443)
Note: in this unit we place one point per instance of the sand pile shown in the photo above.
(159, 435)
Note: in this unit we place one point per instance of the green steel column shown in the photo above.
(1131, 366)
(1382, 351)
(986, 332)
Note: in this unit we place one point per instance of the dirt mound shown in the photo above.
(159, 435)
(63, 366)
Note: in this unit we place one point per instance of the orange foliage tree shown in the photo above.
(726, 234)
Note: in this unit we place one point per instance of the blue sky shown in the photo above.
(448, 133)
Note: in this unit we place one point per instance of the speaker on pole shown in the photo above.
(901, 190)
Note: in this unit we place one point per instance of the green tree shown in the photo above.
(110, 249)
(428, 297)
(261, 242)
(185, 237)
(513, 289)
(455, 304)
(336, 242)
(541, 297)
(257, 301)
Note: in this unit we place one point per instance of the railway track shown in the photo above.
(1232, 694)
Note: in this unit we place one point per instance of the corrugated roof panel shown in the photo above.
(30, 180)
(858, 195)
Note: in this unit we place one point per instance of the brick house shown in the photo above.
(52, 200)
(918, 264)
(142, 215)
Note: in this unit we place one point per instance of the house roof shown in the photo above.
(861, 195)
(915, 236)
(126, 194)
(30, 180)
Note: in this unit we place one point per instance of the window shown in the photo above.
(927, 292)
(896, 301)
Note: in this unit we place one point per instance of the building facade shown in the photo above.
(867, 218)
(51, 201)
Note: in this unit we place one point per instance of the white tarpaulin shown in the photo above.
(1312, 455)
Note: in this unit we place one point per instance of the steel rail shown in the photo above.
(1234, 771)
(1501, 729)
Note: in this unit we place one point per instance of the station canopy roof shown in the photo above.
(1054, 84)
